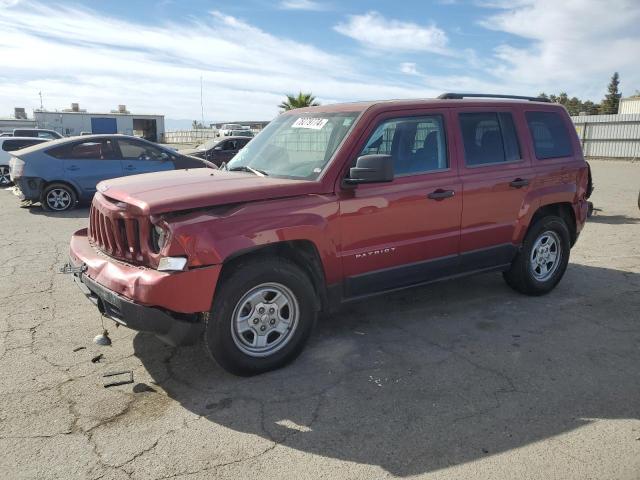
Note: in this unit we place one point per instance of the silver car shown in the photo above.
(10, 144)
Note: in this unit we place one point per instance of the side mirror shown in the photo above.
(371, 169)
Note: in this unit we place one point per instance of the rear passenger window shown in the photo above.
(489, 138)
(550, 135)
(417, 144)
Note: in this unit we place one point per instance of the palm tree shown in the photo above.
(302, 100)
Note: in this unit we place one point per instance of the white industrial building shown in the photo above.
(629, 105)
(75, 121)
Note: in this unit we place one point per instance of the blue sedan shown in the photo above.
(61, 173)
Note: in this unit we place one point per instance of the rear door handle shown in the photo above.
(130, 167)
(73, 167)
(441, 194)
(519, 183)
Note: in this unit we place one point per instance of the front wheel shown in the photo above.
(58, 197)
(262, 316)
(5, 179)
(543, 259)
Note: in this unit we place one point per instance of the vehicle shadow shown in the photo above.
(613, 219)
(81, 211)
(434, 376)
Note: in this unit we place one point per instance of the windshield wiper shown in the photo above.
(245, 168)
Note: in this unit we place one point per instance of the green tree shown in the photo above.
(196, 125)
(612, 99)
(574, 105)
(302, 100)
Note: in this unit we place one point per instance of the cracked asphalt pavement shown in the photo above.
(458, 380)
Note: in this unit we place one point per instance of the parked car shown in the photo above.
(10, 144)
(61, 173)
(330, 204)
(227, 128)
(37, 132)
(241, 133)
(218, 150)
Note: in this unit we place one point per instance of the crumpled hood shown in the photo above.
(162, 192)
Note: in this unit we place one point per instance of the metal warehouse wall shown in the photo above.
(72, 123)
(613, 136)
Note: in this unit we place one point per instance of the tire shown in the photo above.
(250, 329)
(58, 197)
(5, 181)
(530, 273)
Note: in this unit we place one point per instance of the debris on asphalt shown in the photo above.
(102, 339)
(115, 383)
(77, 349)
(143, 387)
(97, 358)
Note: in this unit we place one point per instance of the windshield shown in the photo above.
(295, 146)
(209, 144)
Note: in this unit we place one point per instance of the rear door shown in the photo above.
(142, 157)
(89, 162)
(407, 231)
(496, 175)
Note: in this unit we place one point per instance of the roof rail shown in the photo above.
(458, 96)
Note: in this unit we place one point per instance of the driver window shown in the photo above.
(416, 144)
(229, 145)
(132, 150)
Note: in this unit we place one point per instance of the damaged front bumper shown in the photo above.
(169, 305)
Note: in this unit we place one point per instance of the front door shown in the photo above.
(496, 175)
(142, 157)
(87, 163)
(407, 231)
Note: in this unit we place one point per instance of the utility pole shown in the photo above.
(201, 103)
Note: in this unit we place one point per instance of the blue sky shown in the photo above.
(151, 55)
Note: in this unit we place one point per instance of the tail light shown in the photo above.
(16, 167)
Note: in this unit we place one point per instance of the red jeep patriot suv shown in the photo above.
(330, 204)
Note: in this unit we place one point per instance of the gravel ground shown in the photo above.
(463, 379)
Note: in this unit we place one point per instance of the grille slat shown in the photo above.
(116, 233)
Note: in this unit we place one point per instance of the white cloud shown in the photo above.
(379, 33)
(302, 5)
(575, 44)
(409, 68)
(102, 61)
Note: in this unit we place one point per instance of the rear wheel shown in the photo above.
(58, 197)
(262, 316)
(5, 179)
(543, 259)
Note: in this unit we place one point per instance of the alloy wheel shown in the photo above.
(58, 199)
(5, 179)
(265, 319)
(545, 256)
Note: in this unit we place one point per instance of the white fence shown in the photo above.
(200, 135)
(609, 136)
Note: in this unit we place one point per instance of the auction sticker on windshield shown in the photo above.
(312, 123)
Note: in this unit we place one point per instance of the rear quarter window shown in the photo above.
(11, 145)
(550, 135)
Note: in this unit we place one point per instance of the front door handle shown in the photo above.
(73, 168)
(130, 168)
(519, 183)
(441, 194)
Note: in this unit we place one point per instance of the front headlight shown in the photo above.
(158, 238)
